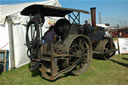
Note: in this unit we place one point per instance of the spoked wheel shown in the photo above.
(80, 48)
(32, 34)
(108, 48)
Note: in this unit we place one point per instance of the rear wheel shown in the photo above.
(82, 49)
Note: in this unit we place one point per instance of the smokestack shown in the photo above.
(93, 16)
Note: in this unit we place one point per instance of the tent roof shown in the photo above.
(48, 10)
(6, 10)
(102, 25)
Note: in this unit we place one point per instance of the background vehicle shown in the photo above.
(75, 44)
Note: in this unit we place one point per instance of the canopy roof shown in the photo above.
(48, 10)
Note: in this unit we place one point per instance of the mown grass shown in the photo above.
(100, 72)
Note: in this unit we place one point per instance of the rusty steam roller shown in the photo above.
(74, 45)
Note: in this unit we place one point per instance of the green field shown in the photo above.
(100, 72)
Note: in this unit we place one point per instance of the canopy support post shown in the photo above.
(11, 41)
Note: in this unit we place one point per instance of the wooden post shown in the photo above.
(118, 46)
(3, 59)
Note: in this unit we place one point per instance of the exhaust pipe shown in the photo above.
(93, 16)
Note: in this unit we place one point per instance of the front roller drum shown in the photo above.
(105, 49)
(109, 51)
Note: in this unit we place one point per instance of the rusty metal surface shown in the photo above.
(55, 71)
(56, 74)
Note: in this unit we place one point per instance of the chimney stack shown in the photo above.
(93, 16)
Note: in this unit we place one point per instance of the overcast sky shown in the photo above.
(112, 11)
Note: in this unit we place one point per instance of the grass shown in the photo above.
(100, 72)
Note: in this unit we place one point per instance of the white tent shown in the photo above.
(13, 29)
